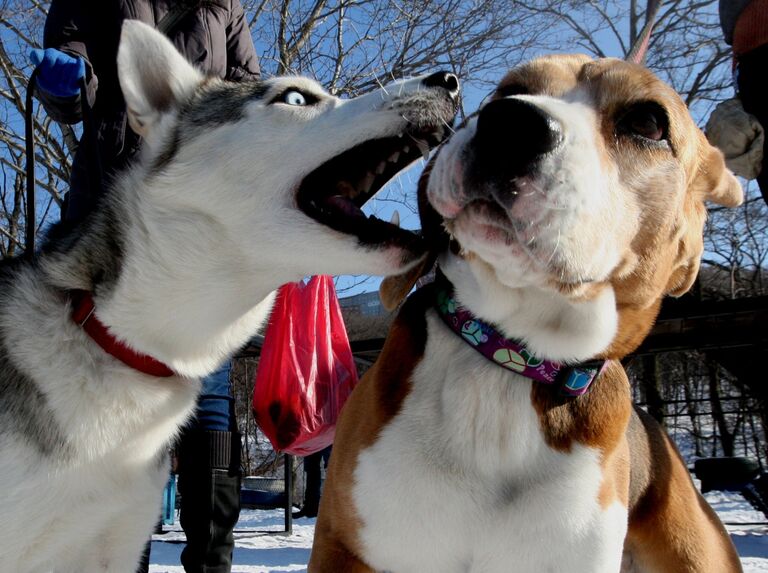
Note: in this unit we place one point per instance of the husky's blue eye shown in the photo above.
(293, 97)
(296, 97)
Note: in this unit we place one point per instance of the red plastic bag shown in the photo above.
(306, 370)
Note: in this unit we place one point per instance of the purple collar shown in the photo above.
(573, 380)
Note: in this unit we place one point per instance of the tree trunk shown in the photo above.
(651, 388)
(727, 438)
(691, 405)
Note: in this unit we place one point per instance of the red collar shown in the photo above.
(83, 313)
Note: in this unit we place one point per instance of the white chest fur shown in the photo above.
(462, 480)
(110, 425)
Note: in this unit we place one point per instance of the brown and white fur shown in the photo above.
(238, 189)
(575, 201)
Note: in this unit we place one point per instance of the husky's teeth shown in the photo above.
(395, 220)
(381, 167)
(394, 157)
(438, 133)
(365, 185)
(423, 147)
(345, 188)
(406, 148)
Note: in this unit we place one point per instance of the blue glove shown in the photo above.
(59, 74)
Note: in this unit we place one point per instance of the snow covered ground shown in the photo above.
(263, 553)
(751, 540)
(255, 552)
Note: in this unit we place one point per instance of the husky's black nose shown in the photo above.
(444, 80)
(512, 135)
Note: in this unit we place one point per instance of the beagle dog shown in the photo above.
(496, 431)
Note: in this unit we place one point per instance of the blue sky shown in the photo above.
(405, 185)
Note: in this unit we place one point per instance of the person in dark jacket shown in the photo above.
(212, 34)
(745, 28)
(81, 41)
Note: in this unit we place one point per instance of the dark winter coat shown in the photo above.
(214, 37)
(730, 10)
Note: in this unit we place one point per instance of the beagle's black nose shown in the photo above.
(512, 135)
(443, 80)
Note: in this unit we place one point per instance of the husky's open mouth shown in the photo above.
(334, 193)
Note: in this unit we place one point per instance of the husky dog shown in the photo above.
(238, 189)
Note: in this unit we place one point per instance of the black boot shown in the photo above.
(209, 484)
(312, 485)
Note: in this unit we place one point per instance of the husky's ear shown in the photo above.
(153, 75)
(395, 288)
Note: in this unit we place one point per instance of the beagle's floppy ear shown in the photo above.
(714, 180)
(394, 289)
(688, 257)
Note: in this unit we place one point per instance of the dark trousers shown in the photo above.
(209, 487)
(208, 455)
(313, 486)
(208, 519)
(753, 92)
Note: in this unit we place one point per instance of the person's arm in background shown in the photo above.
(242, 62)
(59, 73)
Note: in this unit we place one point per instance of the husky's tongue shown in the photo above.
(345, 205)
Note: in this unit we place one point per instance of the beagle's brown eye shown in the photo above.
(646, 120)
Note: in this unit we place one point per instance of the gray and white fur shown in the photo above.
(182, 257)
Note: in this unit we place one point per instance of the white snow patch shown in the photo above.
(255, 552)
(264, 553)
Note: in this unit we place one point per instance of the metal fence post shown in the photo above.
(288, 471)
